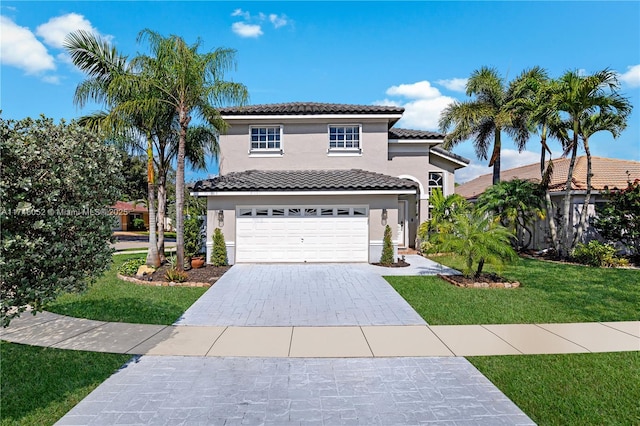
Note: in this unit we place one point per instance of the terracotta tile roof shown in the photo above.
(309, 108)
(130, 207)
(395, 133)
(607, 173)
(303, 180)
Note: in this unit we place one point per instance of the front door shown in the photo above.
(402, 223)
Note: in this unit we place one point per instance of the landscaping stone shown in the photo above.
(145, 270)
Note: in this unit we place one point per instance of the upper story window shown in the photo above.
(435, 181)
(266, 139)
(345, 139)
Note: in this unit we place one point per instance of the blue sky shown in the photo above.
(412, 54)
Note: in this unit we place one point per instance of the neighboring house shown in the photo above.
(312, 182)
(127, 213)
(608, 173)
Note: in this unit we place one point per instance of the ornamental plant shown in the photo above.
(219, 255)
(56, 184)
(386, 258)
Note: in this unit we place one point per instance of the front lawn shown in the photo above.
(573, 389)
(40, 385)
(111, 299)
(550, 292)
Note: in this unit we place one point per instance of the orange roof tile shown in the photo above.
(130, 207)
(607, 173)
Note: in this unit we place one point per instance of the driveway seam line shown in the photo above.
(483, 326)
(441, 341)
(153, 335)
(367, 341)
(215, 341)
(562, 337)
(76, 335)
(290, 342)
(617, 329)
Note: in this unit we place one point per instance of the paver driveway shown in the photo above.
(176, 390)
(300, 295)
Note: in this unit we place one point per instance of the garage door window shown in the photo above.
(313, 211)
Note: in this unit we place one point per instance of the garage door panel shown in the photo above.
(302, 239)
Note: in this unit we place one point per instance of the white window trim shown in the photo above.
(267, 152)
(344, 152)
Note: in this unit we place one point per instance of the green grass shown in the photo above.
(111, 299)
(39, 385)
(550, 292)
(576, 389)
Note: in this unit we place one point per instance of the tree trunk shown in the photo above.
(152, 256)
(480, 267)
(495, 157)
(585, 206)
(184, 124)
(567, 231)
(544, 177)
(162, 206)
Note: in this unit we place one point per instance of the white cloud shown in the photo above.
(472, 171)
(454, 84)
(419, 90)
(56, 29)
(423, 105)
(21, 49)
(509, 159)
(278, 21)
(240, 12)
(246, 30)
(632, 76)
(52, 79)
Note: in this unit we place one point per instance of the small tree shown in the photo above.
(192, 236)
(619, 219)
(442, 212)
(56, 184)
(387, 248)
(479, 239)
(219, 255)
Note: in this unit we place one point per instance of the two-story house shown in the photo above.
(313, 182)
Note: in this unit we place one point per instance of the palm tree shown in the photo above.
(580, 97)
(479, 239)
(517, 203)
(608, 121)
(192, 84)
(484, 118)
(442, 213)
(110, 81)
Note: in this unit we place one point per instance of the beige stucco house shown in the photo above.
(312, 182)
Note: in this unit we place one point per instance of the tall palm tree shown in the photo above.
(110, 82)
(608, 121)
(579, 98)
(484, 118)
(192, 84)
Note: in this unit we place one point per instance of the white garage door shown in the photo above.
(302, 234)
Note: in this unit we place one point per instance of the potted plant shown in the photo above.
(193, 241)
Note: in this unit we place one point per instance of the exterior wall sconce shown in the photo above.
(384, 216)
(220, 217)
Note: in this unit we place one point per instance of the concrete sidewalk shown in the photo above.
(58, 331)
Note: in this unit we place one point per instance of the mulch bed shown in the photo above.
(483, 281)
(200, 277)
(398, 264)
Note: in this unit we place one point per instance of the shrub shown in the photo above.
(387, 248)
(130, 267)
(56, 182)
(192, 236)
(173, 275)
(138, 225)
(219, 255)
(597, 254)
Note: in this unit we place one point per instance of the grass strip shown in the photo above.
(39, 385)
(575, 389)
(550, 292)
(111, 299)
